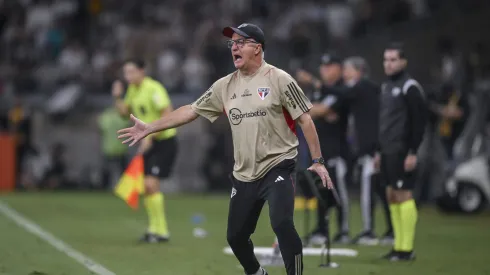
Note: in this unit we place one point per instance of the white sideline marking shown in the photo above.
(53, 241)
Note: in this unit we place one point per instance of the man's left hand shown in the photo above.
(322, 172)
(410, 162)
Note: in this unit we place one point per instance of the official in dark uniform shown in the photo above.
(362, 96)
(403, 116)
(330, 114)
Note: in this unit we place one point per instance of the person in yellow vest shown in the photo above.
(148, 99)
(115, 155)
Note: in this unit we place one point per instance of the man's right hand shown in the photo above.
(117, 89)
(304, 77)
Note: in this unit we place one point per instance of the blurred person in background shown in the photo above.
(114, 153)
(19, 125)
(195, 72)
(263, 105)
(451, 108)
(73, 60)
(403, 116)
(6, 103)
(450, 70)
(168, 68)
(330, 115)
(45, 170)
(55, 176)
(362, 96)
(149, 100)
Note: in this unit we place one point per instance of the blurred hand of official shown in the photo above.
(322, 172)
(117, 89)
(410, 162)
(134, 134)
(331, 117)
(304, 77)
(453, 112)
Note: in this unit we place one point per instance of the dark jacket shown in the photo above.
(403, 115)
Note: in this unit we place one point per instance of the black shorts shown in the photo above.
(247, 199)
(159, 160)
(393, 172)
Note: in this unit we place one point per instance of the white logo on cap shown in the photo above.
(243, 25)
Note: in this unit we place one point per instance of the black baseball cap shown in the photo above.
(330, 59)
(247, 30)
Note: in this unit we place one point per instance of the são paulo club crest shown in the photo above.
(263, 92)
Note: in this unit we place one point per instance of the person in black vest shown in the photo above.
(330, 114)
(403, 116)
(362, 96)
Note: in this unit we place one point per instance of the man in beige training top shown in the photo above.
(263, 104)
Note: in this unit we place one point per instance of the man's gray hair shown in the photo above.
(358, 63)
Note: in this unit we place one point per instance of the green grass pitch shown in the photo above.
(102, 227)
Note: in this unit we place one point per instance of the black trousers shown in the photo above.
(247, 199)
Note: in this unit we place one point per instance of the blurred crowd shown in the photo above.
(46, 44)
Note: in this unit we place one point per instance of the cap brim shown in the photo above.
(229, 31)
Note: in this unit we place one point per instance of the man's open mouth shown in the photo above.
(237, 57)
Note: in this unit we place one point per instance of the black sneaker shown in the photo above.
(387, 239)
(316, 237)
(153, 238)
(341, 238)
(366, 238)
(390, 255)
(261, 272)
(404, 257)
(144, 238)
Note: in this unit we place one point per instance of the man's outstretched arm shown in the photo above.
(179, 117)
(140, 130)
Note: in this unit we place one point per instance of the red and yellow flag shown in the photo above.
(130, 186)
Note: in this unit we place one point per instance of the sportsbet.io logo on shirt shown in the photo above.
(236, 115)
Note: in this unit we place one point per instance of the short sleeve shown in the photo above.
(160, 98)
(292, 96)
(210, 104)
